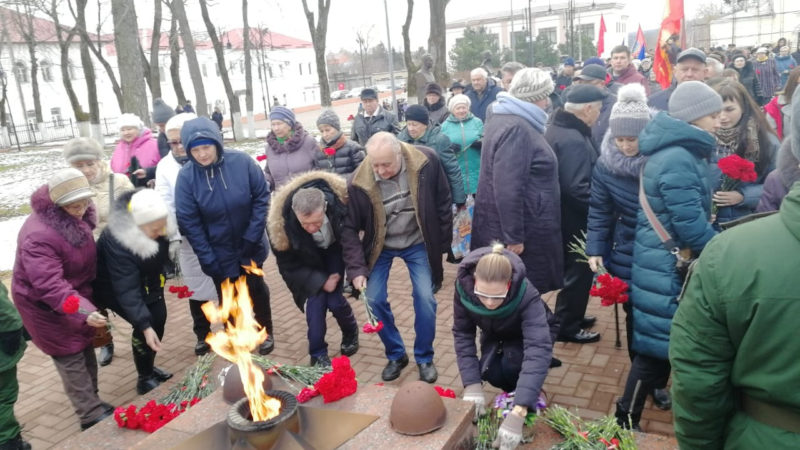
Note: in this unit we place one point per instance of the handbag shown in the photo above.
(684, 258)
(102, 337)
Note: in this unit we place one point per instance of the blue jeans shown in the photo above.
(416, 259)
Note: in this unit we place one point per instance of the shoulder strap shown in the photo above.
(663, 235)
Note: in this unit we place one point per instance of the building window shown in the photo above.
(55, 116)
(519, 38)
(300, 68)
(550, 33)
(241, 66)
(47, 71)
(71, 71)
(586, 30)
(162, 72)
(309, 68)
(21, 72)
(203, 69)
(269, 69)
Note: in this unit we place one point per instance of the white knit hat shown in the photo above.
(458, 99)
(630, 113)
(67, 186)
(531, 85)
(129, 120)
(147, 206)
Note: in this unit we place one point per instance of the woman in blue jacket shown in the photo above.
(743, 131)
(221, 200)
(465, 131)
(676, 186)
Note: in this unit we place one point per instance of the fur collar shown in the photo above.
(613, 160)
(276, 225)
(76, 232)
(294, 142)
(566, 119)
(126, 232)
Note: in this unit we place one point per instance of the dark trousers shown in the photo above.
(649, 373)
(318, 305)
(143, 356)
(259, 294)
(572, 300)
(9, 390)
(200, 324)
(79, 376)
(501, 370)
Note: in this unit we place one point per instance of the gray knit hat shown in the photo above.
(630, 114)
(795, 125)
(531, 85)
(82, 149)
(161, 112)
(692, 100)
(329, 117)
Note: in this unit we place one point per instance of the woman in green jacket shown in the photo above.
(465, 131)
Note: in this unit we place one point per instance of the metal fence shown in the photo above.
(55, 130)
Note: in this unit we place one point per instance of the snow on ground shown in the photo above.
(8, 241)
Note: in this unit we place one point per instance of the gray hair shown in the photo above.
(479, 71)
(308, 201)
(383, 138)
(715, 66)
(576, 107)
(512, 67)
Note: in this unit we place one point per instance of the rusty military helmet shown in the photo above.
(232, 389)
(417, 409)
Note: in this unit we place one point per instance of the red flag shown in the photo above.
(671, 25)
(601, 40)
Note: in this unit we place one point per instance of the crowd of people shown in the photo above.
(544, 159)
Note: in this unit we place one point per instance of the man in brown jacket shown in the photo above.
(400, 199)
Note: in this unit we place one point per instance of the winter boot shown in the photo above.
(143, 359)
(625, 420)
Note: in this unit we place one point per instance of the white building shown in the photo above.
(765, 22)
(551, 19)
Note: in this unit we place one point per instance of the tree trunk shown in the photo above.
(63, 45)
(248, 74)
(437, 44)
(24, 23)
(88, 73)
(126, 40)
(179, 10)
(96, 50)
(233, 99)
(175, 61)
(155, 46)
(411, 68)
(318, 34)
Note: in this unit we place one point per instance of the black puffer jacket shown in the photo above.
(348, 156)
(300, 262)
(130, 266)
(748, 78)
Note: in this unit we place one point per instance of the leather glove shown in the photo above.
(174, 250)
(510, 433)
(474, 393)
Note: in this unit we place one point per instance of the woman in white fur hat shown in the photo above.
(136, 150)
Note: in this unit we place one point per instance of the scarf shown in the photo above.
(500, 313)
(506, 104)
(728, 140)
(334, 142)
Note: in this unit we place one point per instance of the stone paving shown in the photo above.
(592, 376)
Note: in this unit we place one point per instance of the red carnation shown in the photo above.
(71, 305)
(261, 158)
(338, 383)
(306, 394)
(735, 170)
(330, 151)
(445, 392)
(350, 117)
(370, 328)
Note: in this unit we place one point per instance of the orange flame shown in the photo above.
(239, 336)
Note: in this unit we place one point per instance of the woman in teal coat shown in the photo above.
(675, 182)
(465, 131)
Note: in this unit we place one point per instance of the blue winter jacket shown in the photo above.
(750, 191)
(479, 105)
(677, 188)
(222, 208)
(613, 208)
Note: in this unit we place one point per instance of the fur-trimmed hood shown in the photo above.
(74, 231)
(276, 223)
(123, 228)
(613, 160)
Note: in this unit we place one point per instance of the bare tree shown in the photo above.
(88, 71)
(362, 39)
(248, 74)
(437, 44)
(411, 68)
(233, 99)
(175, 60)
(152, 66)
(126, 41)
(24, 23)
(179, 10)
(318, 33)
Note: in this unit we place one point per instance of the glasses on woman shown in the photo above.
(174, 143)
(490, 296)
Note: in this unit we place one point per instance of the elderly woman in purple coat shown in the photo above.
(290, 149)
(53, 272)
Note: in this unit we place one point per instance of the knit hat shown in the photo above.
(368, 93)
(417, 113)
(630, 114)
(282, 113)
(531, 85)
(433, 88)
(692, 100)
(458, 99)
(795, 131)
(67, 186)
(595, 60)
(129, 120)
(147, 206)
(329, 117)
(176, 122)
(82, 149)
(161, 112)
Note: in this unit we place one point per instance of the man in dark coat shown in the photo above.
(570, 136)
(518, 198)
(305, 228)
(691, 66)
(372, 119)
(482, 93)
(596, 76)
(564, 79)
(400, 200)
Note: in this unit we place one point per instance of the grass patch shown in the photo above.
(14, 211)
(7, 168)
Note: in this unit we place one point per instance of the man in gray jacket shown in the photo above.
(372, 119)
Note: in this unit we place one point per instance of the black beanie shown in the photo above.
(417, 113)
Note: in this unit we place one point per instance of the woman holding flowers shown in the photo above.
(131, 254)
(53, 271)
(493, 295)
(338, 154)
(744, 132)
(676, 188)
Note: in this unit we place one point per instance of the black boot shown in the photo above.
(201, 326)
(16, 443)
(625, 420)
(106, 354)
(143, 359)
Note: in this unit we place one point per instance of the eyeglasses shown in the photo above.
(491, 296)
(174, 143)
